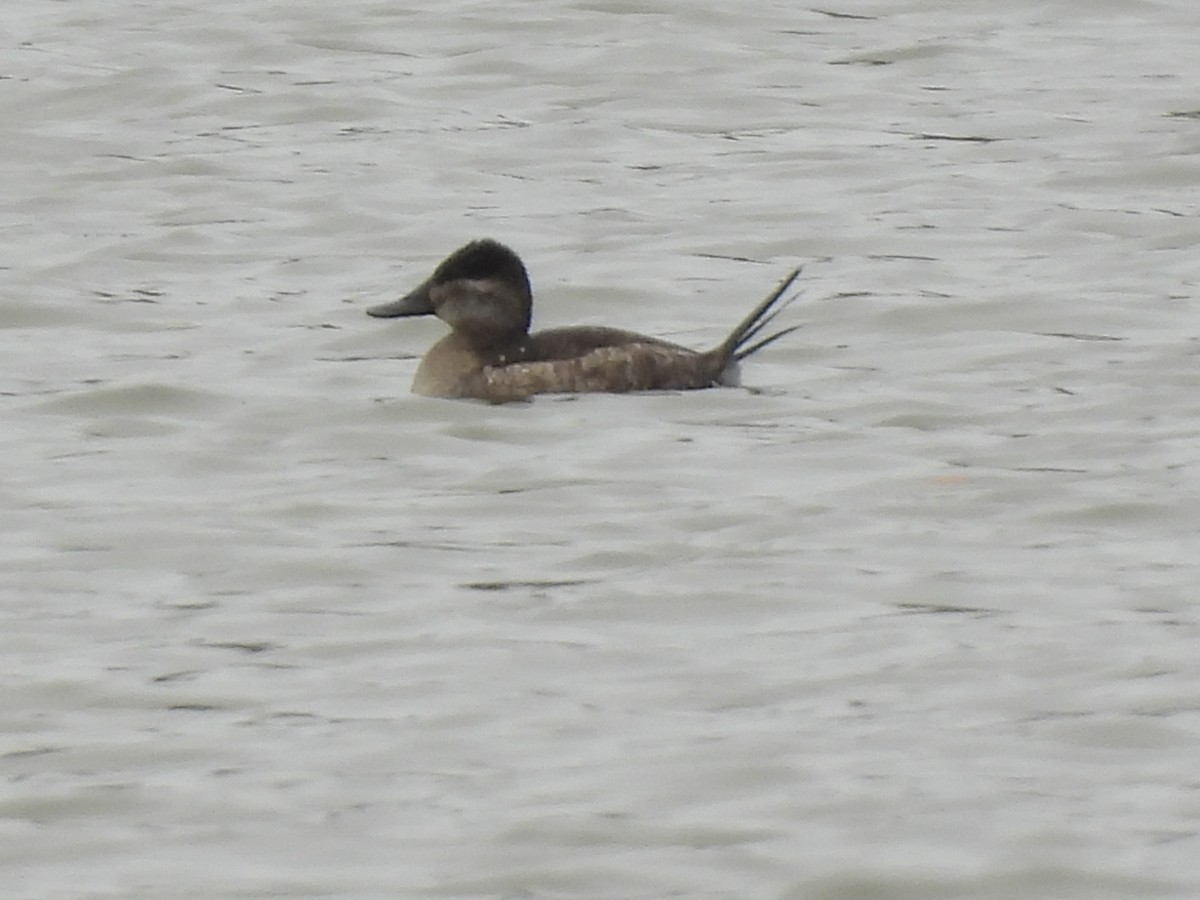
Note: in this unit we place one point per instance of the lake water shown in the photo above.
(912, 615)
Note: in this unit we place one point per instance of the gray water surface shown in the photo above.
(911, 615)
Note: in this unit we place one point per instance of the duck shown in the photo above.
(482, 291)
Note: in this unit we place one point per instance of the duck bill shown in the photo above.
(416, 303)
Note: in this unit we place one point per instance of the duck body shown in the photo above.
(482, 292)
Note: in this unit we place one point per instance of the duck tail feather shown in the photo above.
(741, 354)
(759, 318)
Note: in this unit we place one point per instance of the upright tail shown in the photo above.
(734, 349)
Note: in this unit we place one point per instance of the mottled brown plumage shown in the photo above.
(482, 292)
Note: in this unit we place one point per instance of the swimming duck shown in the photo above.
(482, 292)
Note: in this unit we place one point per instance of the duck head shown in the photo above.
(481, 290)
